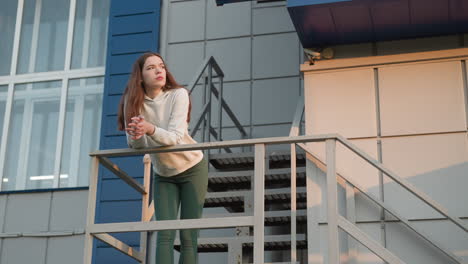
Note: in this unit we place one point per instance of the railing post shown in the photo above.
(220, 110)
(259, 203)
(293, 203)
(144, 206)
(205, 85)
(332, 203)
(210, 84)
(88, 247)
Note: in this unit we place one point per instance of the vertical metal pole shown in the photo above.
(203, 103)
(88, 247)
(220, 110)
(332, 204)
(293, 204)
(314, 202)
(144, 206)
(351, 215)
(259, 204)
(210, 84)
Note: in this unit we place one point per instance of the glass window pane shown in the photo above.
(26, 37)
(7, 33)
(82, 130)
(44, 35)
(89, 40)
(32, 136)
(3, 99)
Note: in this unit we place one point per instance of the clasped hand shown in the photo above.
(139, 127)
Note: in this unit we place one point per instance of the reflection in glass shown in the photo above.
(7, 33)
(82, 127)
(43, 35)
(89, 40)
(3, 98)
(32, 136)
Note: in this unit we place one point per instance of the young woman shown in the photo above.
(154, 111)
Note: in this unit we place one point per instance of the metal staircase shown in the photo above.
(257, 190)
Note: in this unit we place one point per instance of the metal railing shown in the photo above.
(210, 89)
(334, 219)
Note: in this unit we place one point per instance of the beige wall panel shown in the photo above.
(436, 165)
(421, 98)
(341, 102)
(356, 169)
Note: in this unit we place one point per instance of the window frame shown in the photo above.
(65, 76)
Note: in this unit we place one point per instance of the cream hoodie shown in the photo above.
(168, 112)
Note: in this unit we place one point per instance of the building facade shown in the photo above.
(403, 101)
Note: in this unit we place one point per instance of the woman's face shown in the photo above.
(154, 73)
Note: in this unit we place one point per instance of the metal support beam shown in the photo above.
(259, 204)
(121, 246)
(332, 204)
(223, 222)
(368, 242)
(88, 247)
(122, 174)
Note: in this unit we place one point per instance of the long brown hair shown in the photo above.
(134, 93)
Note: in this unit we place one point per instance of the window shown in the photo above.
(51, 85)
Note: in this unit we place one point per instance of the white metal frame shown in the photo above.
(29, 78)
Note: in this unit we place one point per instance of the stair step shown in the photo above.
(244, 176)
(271, 217)
(236, 198)
(220, 244)
(242, 160)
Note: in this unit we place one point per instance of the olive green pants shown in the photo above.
(187, 190)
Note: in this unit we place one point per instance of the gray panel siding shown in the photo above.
(35, 213)
(249, 41)
(233, 55)
(68, 210)
(181, 13)
(184, 59)
(275, 100)
(3, 201)
(27, 212)
(65, 250)
(233, 93)
(271, 20)
(23, 250)
(228, 20)
(275, 55)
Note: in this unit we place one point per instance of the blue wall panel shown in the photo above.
(134, 24)
(112, 105)
(133, 30)
(116, 82)
(133, 43)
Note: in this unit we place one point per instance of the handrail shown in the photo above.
(211, 65)
(212, 145)
(294, 131)
(256, 221)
